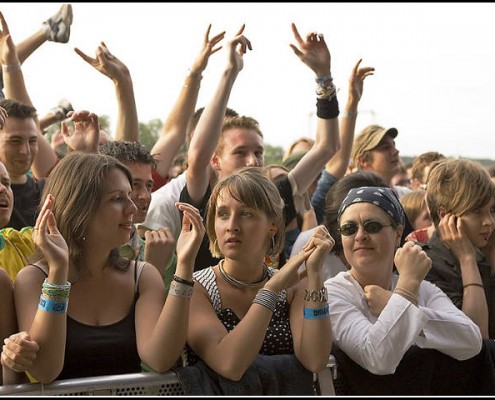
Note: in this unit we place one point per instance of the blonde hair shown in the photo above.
(414, 203)
(302, 139)
(458, 187)
(237, 122)
(249, 186)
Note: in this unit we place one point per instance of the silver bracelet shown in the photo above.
(180, 290)
(11, 67)
(266, 298)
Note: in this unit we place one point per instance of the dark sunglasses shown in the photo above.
(370, 227)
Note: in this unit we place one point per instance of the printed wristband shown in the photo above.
(316, 313)
(56, 307)
(180, 290)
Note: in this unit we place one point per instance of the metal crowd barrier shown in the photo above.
(142, 384)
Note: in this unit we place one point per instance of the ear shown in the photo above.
(441, 212)
(273, 229)
(214, 162)
(362, 163)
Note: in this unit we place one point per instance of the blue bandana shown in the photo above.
(383, 197)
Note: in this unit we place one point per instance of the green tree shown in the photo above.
(150, 132)
(273, 154)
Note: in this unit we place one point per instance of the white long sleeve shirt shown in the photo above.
(378, 344)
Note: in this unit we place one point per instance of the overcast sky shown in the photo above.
(434, 78)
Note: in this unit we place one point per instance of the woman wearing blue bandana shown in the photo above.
(377, 314)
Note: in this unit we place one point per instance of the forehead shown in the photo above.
(20, 127)
(116, 179)
(140, 170)
(241, 137)
(364, 210)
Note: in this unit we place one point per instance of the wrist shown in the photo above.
(11, 67)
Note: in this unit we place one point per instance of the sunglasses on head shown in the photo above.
(350, 228)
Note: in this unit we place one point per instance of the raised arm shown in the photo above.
(315, 54)
(45, 317)
(127, 120)
(15, 88)
(337, 165)
(174, 128)
(210, 124)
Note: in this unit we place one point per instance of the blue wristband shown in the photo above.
(57, 307)
(316, 313)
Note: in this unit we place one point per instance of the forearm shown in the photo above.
(315, 341)
(14, 85)
(174, 129)
(210, 124)
(474, 303)
(127, 127)
(238, 349)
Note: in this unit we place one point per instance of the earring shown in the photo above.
(272, 245)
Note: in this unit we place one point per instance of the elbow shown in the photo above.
(316, 366)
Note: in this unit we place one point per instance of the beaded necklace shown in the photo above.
(240, 284)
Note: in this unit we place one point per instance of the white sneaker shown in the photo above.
(57, 28)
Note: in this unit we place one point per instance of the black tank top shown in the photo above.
(102, 350)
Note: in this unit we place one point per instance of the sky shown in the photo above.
(434, 79)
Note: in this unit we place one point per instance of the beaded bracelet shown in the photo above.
(180, 290)
(266, 298)
(182, 280)
(316, 313)
(56, 307)
(53, 290)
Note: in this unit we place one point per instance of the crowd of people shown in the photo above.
(193, 256)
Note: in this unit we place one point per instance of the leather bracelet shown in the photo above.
(473, 284)
(316, 295)
(182, 280)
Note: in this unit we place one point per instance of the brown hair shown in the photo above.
(458, 187)
(249, 186)
(76, 199)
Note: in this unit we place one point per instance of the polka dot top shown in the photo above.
(278, 338)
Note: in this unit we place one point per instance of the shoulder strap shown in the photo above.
(41, 269)
(138, 269)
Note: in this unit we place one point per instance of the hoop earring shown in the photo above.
(272, 245)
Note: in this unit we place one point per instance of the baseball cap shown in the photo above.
(369, 138)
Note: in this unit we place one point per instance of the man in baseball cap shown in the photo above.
(374, 150)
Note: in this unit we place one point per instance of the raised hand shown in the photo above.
(207, 50)
(413, 264)
(86, 134)
(452, 231)
(191, 235)
(105, 62)
(356, 80)
(313, 52)
(237, 48)
(159, 247)
(318, 245)
(7, 46)
(49, 239)
(377, 298)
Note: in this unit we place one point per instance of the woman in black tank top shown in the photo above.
(118, 314)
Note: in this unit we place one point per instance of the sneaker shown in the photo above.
(61, 110)
(57, 28)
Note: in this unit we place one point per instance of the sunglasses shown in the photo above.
(370, 227)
